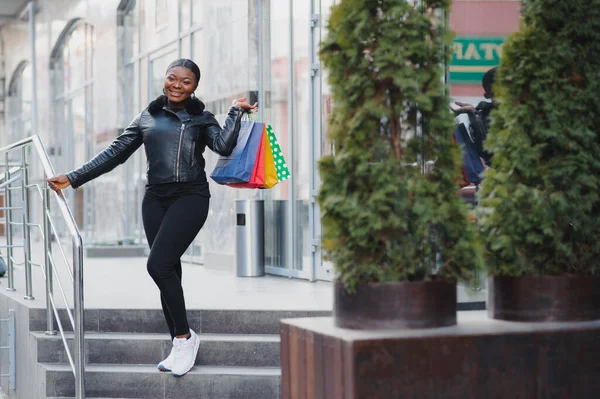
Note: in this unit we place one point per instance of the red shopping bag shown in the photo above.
(257, 178)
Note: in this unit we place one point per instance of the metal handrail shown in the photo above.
(78, 366)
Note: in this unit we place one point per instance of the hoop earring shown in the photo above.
(193, 94)
(164, 92)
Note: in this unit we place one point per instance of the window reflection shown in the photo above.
(19, 111)
(186, 14)
(158, 68)
(72, 73)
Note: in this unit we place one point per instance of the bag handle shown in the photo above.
(247, 116)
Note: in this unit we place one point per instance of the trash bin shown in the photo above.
(250, 238)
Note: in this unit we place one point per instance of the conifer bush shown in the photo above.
(383, 219)
(541, 203)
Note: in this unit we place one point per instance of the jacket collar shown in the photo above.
(193, 105)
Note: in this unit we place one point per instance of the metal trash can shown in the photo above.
(250, 238)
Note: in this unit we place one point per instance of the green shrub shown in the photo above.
(383, 219)
(540, 202)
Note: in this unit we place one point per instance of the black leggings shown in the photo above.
(171, 224)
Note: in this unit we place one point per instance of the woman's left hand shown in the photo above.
(241, 102)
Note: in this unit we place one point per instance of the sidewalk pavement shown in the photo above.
(124, 283)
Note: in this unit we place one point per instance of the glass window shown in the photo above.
(277, 114)
(186, 51)
(142, 24)
(76, 57)
(160, 11)
(72, 76)
(162, 26)
(302, 128)
(225, 61)
(131, 33)
(199, 58)
(143, 81)
(90, 39)
(128, 94)
(185, 13)
(77, 127)
(275, 111)
(197, 7)
(19, 112)
(66, 70)
(158, 67)
(25, 92)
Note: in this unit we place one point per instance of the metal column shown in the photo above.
(26, 229)
(32, 40)
(47, 261)
(315, 129)
(79, 318)
(292, 207)
(9, 235)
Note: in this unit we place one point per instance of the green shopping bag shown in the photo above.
(283, 172)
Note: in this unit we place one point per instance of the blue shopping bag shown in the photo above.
(237, 167)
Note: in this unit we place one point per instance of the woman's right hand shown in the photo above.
(464, 108)
(58, 182)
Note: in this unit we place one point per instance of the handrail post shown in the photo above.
(79, 318)
(26, 229)
(9, 230)
(47, 265)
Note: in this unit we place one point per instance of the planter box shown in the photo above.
(478, 358)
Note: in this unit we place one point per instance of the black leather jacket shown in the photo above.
(174, 142)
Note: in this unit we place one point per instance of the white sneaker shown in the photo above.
(167, 364)
(185, 351)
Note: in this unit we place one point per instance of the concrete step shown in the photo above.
(132, 381)
(152, 321)
(233, 350)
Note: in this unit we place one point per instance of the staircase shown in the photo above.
(238, 356)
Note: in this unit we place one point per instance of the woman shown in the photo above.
(175, 129)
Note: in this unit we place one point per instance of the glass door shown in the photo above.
(297, 104)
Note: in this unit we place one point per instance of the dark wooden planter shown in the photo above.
(396, 305)
(478, 358)
(544, 298)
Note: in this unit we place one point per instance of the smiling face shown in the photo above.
(180, 83)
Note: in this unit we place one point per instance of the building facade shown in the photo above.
(100, 62)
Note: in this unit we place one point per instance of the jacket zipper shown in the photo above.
(179, 150)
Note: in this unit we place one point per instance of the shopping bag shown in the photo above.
(238, 167)
(283, 172)
(257, 178)
(271, 179)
